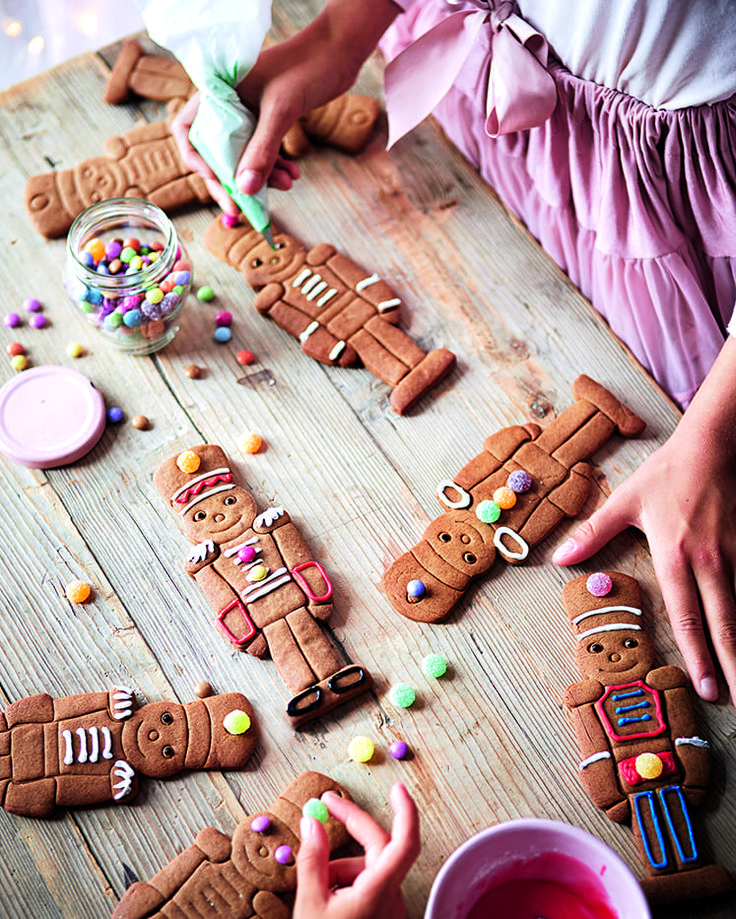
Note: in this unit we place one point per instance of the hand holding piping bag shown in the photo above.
(217, 42)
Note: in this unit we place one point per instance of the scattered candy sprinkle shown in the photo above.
(12, 320)
(141, 422)
(77, 591)
(599, 584)
(361, 749)
(203, 690)
(222, 334)
(236, 722)
(488, 511)
(251, 443)
(415, 590)
(19, 362)
(31, 305)
(224, 317)
(648, 765)
(399, 749)
(317, 809)
(283, 855)
(37, 321)
(260, 824)
(246, 554)
(402, 695)
(114, 414)
(188, 461)
(434, 666)
(74, 349)
(206, 293)
(229, 220)
(519, 481)
(193, 372)
(14, 347)
(505, 498)
(245, 357)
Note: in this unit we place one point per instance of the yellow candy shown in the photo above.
(648, 765)
(504, 497)
(19, 362)
(78, 591)
(74, 349)
(188, 461)
(257, 573)
(251, 443)
(154, 295)
(361, 749)
(236, 722)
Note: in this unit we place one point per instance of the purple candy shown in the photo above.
(12, 320)
(113, 249)
(260, 824)
(86, 258)
(283, 855)
(169, 303)
(38, 321)
(131, 302)
(31, 305)
(519, 481)
(398, 749)
(599, 584)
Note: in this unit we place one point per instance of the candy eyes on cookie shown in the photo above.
(167, 718)
(167, 751)
(596, 647)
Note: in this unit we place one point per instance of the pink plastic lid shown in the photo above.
(50, 416)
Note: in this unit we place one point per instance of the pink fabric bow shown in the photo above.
(521, 93)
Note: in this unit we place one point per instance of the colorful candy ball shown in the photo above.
(317, 809)
(222, 334)
(284, 855)
(488, 511)
(505, 498)
(402, 695)
(188, 461)
(12, 320)
(251, 443)
(114, 414)
(19, 362)
(14, 348)
(599, 584)
(415, 590)
(434, 666)
(260, 824)
(236, 722)
(74, 349)
(399, 749)
(519, 481)
(77, 591)
(206, 293)
(245, 357)
(361, 749)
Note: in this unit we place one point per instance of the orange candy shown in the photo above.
(504, 497)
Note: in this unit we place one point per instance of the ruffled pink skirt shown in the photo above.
(637, 205)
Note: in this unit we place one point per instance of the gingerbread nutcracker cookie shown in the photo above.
(338, 312)
(643, 758)
(90, 748)
(257, 573)
(239, 878)
(505, 501)
(142, 163)
(345, 123)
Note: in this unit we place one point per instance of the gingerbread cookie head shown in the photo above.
(200, 487)
(264, 850)
(460, 544)
(605, 615)
(162, 738)
(255, 259)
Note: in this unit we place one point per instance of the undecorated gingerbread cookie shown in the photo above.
(339, 313)
(90, 748)
(644, 760)
(257, 572)
(505, 501)
(239, 878)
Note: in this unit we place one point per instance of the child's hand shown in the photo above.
(683, 497)
(363, 887)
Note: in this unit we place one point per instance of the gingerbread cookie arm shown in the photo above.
(345, 123)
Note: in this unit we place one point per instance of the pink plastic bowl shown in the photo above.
(487, 858)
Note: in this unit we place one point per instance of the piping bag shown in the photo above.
(217, 42)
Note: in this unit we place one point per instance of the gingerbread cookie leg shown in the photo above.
(146, 75)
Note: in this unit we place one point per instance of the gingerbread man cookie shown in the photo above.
(257, 573)
(239, 878)
(338, 312)
(142, 163)
(345, 123)
(505, 501)
(90, 748)
(644, 760)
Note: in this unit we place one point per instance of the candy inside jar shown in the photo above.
(127, 273)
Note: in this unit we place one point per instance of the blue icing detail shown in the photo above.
(631, 708)
(662, 792)
(648, 796)
(622, 721)
(626, 695)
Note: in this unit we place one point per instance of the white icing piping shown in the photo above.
(301, 277)
(595, 758)
(507, 531)
(107, 749)
(125, 772)
(606, 609)
(337, 351)
(694, 741)
(261, 588)
(611, 627)
(366, 282)
(308, 285)
(310, 329)
(317, 291)
(68, 748)
(463, 501)
(205, 475)
(385, 305)
(82, 755)
(94, 753)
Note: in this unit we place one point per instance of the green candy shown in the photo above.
(317, 809)
(205, 293)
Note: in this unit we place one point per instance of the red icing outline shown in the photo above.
(305, 586)
(630, 775)
(221, 623)
(657, 707)
(202, 484)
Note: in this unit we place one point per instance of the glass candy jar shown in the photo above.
(127, 273)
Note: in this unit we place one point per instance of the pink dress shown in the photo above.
(636, 204)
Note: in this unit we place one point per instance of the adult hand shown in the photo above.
(362, 887)
(683, 497)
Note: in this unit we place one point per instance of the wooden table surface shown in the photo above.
(491, 740)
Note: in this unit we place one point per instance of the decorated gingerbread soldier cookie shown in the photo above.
(142, 163)
(257, 573)
(338, 312)
(505, 501)
(643, 758)
(89, 749)
(239, 878)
